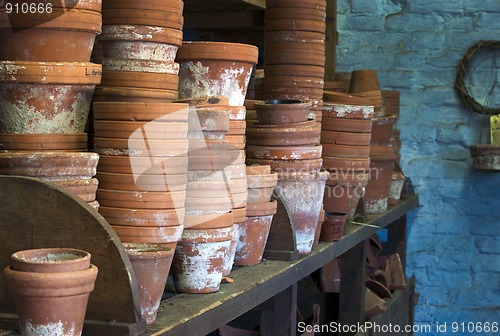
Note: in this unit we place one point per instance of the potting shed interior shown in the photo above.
(249, 167)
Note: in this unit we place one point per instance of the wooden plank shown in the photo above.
(282, 319)
(198, 315)
(331, 39)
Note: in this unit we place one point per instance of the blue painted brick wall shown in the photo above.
(454, 238)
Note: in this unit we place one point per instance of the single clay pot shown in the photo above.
(85, 189)
(343, 198)
(50, 260)
(485, 157)
(140, 111)
(280, 112)
(252, 240)
(216, 68)
(133, 94)
(333, 226)
(346, 151)
(212, 221)
(167, 235)
(134, 65)
(50, 166)
(364, 80)
(171, 6)
(346, 164)
(262, 180)
(301, 196)
(338, 110)
(290, 135)
(60, 36)
(140, 42)
(146, 80)
(141, 147)
(151, 264)
(144, 182)
(138, 165)
(141, 199)
(397, 184)
(142, 17)
(346, 138)
(47, 142)
(199, 259)
(231, 252)
(260, 187)
(382, 129)
(51, 97)
(153, 130)
(282, 166)
(143, 217)
(347, 125)
(55, 302)
(378, 188)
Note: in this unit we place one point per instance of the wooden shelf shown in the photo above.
(198, 315)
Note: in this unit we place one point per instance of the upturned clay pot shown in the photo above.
(141, 147)
(216, 68)
(199, 259)
(50, 166)
(142, 17)
(154, 130)
(134, 65)
(382, 129)
(85, 189)
(141, 199)
(51, 97)
(364, 80)
(146, 80)
(50, 260)
(151, 264)
(283, 135)
(302, 197)
(347, 111)
(59, 36)
(140, 42)
(133, 94)
(346, 125)
(280, 112)
(252, 239)
(45, 142)
(167, 235)
(343, 191)
(140, 111)
(346, 138)
(333, 226)
(138, 165)
(346, 151)
(51, 301)
(144, 182)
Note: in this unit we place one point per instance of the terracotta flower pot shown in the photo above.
(347, 111)
(51, 301)
(46, 142)
(346, 138)
(50, 166)
(216, 68)
(140, 111)
(142, 17)
(346, 125)
(138, 165)
(60, 36)
(141, 147)
(141, 199)
(302, 197)
(140, 42)
(231, 252)
(151, 264)
(143, 217)
(260, 187)
(85, 189)
(343, 195)
(146, 80)
(50, 260)
(134, 65)
(382, 129)
(133, 94)
(397, 184)
(279, 112)
(252, 240)
(199, 259)
(346, 151)
(144, 182)
(159, 130)
(167, 235)
(51, 97)
(364, 80)
(333, 226)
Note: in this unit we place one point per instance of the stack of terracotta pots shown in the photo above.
(383, 155)
(346, 137)
(46, 88)
(139, 43)
(253, 232)
(142, 170)
(288, 141)
(295, 51)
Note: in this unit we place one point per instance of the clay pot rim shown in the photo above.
(62, 258)
(102, 90)
(147, 250)
(273, 103)
(46, 155)
(293, 127)
(176, 8)
(139, 124)
(171, 67)
(150, 34)
(191, 50)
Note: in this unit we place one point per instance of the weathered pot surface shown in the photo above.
(332, 228)
(143, 217)
(141, 199)
(85, 189)
(348, 111)
(284, 152)
(346, 125)
(46, 142)
(149, 235)
(346, 138)
(346, 151)
(146, 80)
(50, 260)
(138, 65)
(142, 17)
(133, 94)
(252, 240)
(211, 221)
(140, 111)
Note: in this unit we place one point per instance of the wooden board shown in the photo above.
(37, 214)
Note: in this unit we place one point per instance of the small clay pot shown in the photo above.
(138, 165)
(252, 240)
(260, 195)
(85, 189)
(199, 259)
(382, 129)
(141, 199)
(397, 184)
(140, 111)
(144, 182)
(50, 260)
(280, 112)
(346, 125)
(262, 209)
(47, 142)
(134, 65)
(142, 17)
(205, 65)
(343, 198)
(346, 111)
(333, 226)
(50, 166)
(151, 264)
(346, 138)
(51, 97)
(211, 221)
(141, 147)
(133, 94)
(364, 80)
(146, 80)
(346, 151)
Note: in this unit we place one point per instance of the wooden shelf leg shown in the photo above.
(352, 286)
(282, 319)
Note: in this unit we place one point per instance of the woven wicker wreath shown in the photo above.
(463, 70)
